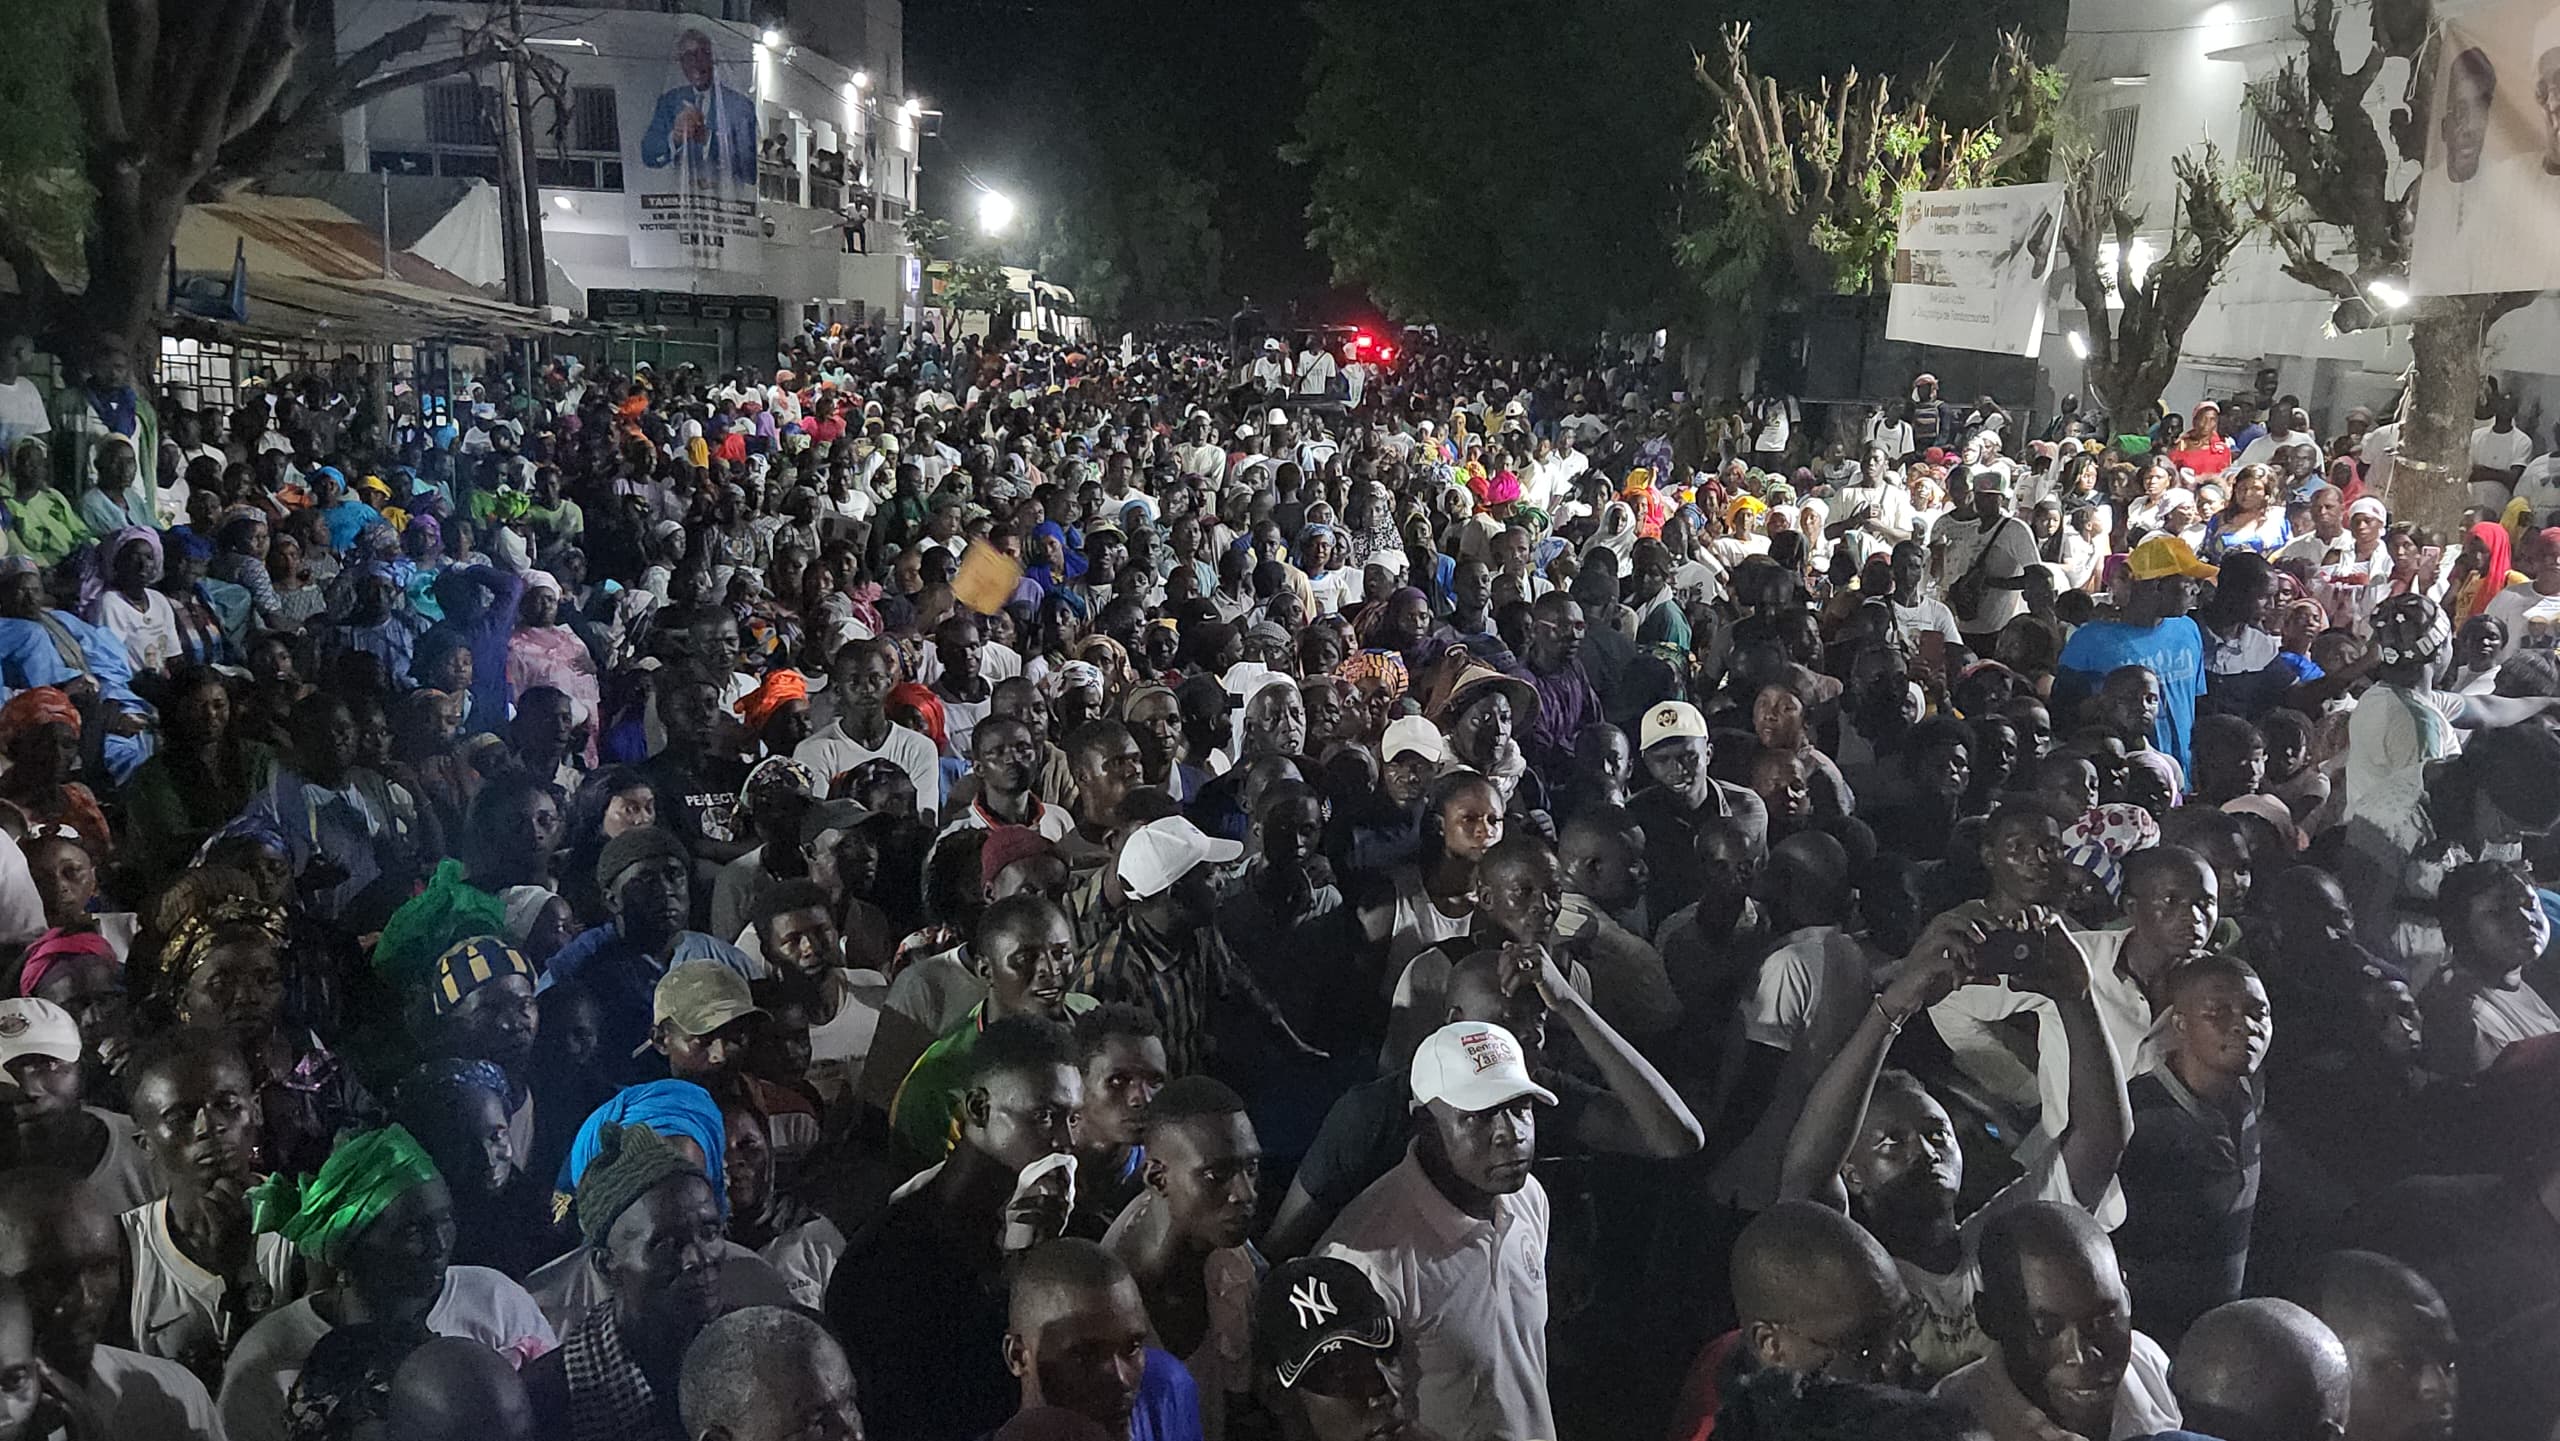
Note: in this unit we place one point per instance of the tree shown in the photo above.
(1799, 191)
(174, 100)
(1524, 192)
(2134, 352)
(972, 274)
(1821, 173)
(2338, 166)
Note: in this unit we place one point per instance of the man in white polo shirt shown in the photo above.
(1455, 1240)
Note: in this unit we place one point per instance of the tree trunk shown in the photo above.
(129, 239)
(2430, 479)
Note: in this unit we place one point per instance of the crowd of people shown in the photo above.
(1185, 892)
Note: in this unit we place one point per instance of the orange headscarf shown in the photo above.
(41, 706)
(780, 688)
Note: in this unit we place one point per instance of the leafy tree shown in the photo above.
(1812, 180)
(2341, 188)
(1506, 167)
(170, 101)
(2133, 352)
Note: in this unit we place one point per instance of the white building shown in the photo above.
(2151, 79)
(834, 174)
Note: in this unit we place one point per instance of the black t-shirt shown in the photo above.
(699, 802)
(924, 1333)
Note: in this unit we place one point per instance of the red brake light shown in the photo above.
(1363, 341)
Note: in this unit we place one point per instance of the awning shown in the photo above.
(315, 271)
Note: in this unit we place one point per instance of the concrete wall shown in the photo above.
(800, 92)
(2193, 59)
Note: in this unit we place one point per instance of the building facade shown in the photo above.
(707, 170)
(2150, 80)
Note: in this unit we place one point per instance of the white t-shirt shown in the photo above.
(2539, 487)
(1894, 435)
(176, 1305)
(1813, 991)
(1316, 369)
(2493, 449)
(478, 1304)
(2532, 619)
(21, 413)
(140, 1395)
(995, 661)
(832, 753)
(2005, 550)
(1929, 617)
(150, 631)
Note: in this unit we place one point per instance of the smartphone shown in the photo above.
(2006, 953)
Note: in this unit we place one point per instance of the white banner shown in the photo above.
(2489, 198)
(689, 168)
(1969, 268)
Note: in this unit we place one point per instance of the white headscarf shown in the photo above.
(1616, 537)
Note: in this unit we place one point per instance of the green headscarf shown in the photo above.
(362, 1177)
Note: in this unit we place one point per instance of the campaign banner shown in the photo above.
(2492, 179)
(689, 171)
(1970, 267)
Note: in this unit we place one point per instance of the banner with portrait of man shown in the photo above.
(689, 167)
(2490, 193)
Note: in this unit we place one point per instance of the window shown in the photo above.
(2117, 130)
(594, 121)
(455, 115)
(2259, 154)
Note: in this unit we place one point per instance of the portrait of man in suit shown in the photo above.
(702, 129)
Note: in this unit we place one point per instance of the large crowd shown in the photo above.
(1217, 891)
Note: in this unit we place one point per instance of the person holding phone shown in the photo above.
(1875, 1143)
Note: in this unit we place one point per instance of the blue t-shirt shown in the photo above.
(1168, 1406)
(2173, 649)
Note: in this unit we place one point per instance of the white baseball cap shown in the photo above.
(1473, 1066)
(1160, 853)
(1671, 720)
(1413, 735)
(29, 1027)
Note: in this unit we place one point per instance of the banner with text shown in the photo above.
(2489, 198)
(689, 170)
(1969, 268)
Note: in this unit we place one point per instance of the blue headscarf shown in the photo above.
(670, 1108)
(1051, 530)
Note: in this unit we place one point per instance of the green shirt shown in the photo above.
(925, 1113)
(47, 527)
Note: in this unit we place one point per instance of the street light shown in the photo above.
(861, 78)
(773, 39)
(2387, 295)
(995, 211)
(912, 108)
(2079, 344)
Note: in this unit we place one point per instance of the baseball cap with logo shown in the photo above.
(2166, 555)
(1671, 720)
(1412, 735)
(700, 997)
(1473, 1066)
(1160, 853)
(29, 1027)
(1310, 1308)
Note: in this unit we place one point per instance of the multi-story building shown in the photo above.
(2152, 79)
(712, 173)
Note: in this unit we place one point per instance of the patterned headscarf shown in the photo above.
(2411, 629)
(320, 1214)
(192, 938)
(1384, 667)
